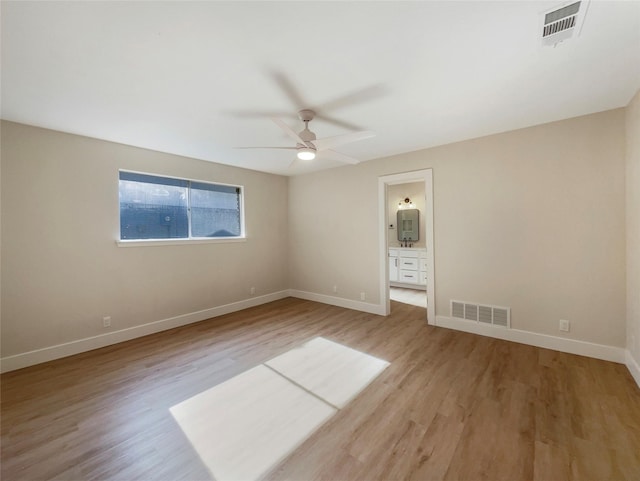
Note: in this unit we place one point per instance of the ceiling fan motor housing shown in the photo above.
(307, 135)
(306, 116)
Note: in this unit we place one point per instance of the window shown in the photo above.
(153, 207)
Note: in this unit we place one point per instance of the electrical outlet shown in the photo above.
(106, 321)
(252, 291)
(564, 325)
(335, 288)
(362, 296)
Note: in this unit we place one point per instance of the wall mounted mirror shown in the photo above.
(408, 228)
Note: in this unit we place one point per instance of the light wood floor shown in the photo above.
(451, 405)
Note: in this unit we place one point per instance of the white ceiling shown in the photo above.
(184, 77)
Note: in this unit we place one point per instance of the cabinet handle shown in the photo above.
(396, 262)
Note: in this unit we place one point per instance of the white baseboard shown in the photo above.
(633, 366)
(18, 361)
(571, 346)
(339, 301)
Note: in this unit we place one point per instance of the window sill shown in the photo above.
(177, 242)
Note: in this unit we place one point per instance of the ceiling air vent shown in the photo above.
(563, 23)
(492, 315)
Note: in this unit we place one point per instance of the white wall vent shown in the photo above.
(563, 23)
(482, 313)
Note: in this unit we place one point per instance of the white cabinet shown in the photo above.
(393, 265)
(410, 277)
(408, 266)
(423, 269)
(410, 263)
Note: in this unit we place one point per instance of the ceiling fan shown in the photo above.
(308, 146)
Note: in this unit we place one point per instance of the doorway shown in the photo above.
(386, 185)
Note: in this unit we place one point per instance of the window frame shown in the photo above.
(183, 240)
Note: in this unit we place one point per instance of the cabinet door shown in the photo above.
(393, 269)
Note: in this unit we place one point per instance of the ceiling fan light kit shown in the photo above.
(305, 153)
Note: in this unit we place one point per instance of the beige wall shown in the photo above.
(61, 268)
(533, 219)
(397, 193)
(633, 227)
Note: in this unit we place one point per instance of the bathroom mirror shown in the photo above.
(408, 228)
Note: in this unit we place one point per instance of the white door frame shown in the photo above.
(384, 181)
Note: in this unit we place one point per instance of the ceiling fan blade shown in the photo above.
(343, 158)
(289, 89)
(262, 147)
(256, 114)
(329, 142)
(356, 97)
(294, 162)
(338, 122)
(290, 132)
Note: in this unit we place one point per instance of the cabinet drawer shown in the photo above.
(423, 264)
(393, 252)
(408, 253)
(409, 263)
(410, 277)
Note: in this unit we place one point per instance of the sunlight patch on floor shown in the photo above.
(331, 371)
(246, 425)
